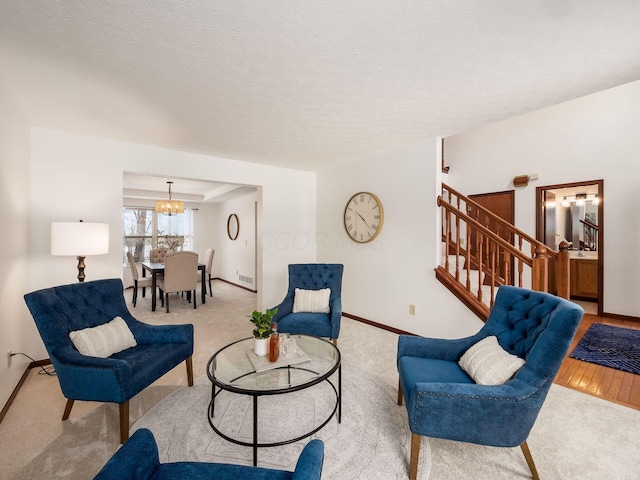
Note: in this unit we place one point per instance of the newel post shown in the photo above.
(562, 271)
(539, 274)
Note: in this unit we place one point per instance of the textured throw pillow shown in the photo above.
(487, 363)
(316, 301)
(104, 340)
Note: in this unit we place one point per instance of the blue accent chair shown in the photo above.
(138, 460)
(444, 402)
(60, 310)
(312, 276)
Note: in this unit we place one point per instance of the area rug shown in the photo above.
(575, 436)
(610, 346)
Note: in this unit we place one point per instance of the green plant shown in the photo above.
(262, 322)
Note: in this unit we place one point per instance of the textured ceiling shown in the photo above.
(300, 83)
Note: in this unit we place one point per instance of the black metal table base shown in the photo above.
(337, 410)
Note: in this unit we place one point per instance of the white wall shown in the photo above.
(75, 176)
(382, 278)
(16, 328)
(593, 137)
(235, 258)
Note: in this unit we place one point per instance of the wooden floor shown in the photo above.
(604, 382)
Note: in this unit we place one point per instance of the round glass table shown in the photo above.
(235, 368)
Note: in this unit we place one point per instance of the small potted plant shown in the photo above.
(262, 331)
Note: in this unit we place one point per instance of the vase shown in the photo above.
(260, 346)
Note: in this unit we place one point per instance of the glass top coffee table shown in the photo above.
(235, 368)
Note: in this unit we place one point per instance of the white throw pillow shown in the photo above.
(316, 301)
(104, 340)
(487, 363)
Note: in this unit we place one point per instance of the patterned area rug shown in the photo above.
(371, 442)
(575, 436)
(610, 346)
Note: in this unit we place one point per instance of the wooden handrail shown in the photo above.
(490, 259)
(499, 220)
(496, 238)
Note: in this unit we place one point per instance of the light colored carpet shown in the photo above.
(575, 437)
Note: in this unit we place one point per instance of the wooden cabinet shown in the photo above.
(584, 278)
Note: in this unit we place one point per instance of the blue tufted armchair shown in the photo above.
(138, 459)
(444, 402)
(60, 310)
(312, 276)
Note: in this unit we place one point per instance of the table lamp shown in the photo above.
(79, 239)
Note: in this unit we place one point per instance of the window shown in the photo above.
(144, 229)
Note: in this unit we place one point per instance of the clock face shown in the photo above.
(363, 217)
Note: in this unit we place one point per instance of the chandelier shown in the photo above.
(169, 207)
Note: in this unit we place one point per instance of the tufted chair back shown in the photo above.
(312, 276)
(60, 310)
(316, 276)
(535, 326)
(157, 255)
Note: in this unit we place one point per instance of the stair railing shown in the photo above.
(483, 251)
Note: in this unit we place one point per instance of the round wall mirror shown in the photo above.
(233, 226)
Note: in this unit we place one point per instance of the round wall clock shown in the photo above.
(233, 226)
(363, 217)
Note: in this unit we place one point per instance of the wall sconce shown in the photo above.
(521, 181)
(79, 239)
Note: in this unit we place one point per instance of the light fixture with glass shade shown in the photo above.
(79, 239)
(169, 207)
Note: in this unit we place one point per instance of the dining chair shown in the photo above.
(143, 282)
(179, 276)
(157, 255)
(208, 264)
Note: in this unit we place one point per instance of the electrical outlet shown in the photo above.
(9, 355)
(412, 309)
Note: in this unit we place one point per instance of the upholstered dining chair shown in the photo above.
(488, 388)
(208, 265)
(308, 307)
(138, 282)
(180, 270)
(120, 356)
(157, 255)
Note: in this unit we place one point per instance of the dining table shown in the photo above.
(157, 268)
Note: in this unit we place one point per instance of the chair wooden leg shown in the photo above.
(194, 299)
(399, 393)
(124, 421)
(166, 301)
(529, 459)
(415, 455)
(67, 409)
(210, 291)
(189, 362)
(335, 341)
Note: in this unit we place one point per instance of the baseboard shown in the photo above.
(376, 324)
(14, 394)
(617, 316)
(235, 284)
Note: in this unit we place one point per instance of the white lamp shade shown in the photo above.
(79, 238)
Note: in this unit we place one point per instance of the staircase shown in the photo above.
(481, 251)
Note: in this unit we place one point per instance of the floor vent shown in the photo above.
(244, 278)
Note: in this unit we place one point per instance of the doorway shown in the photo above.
(501, 204)
(574, 212)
